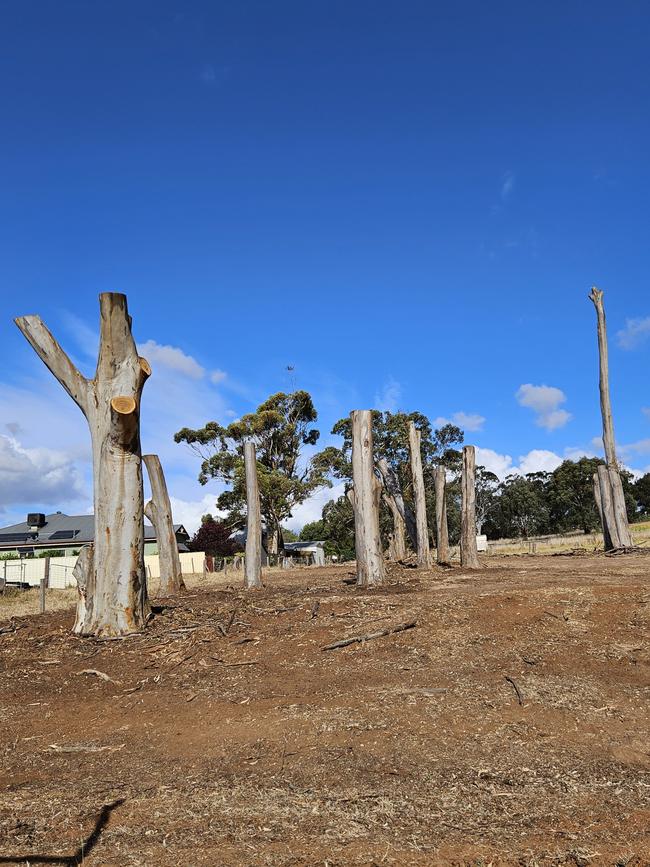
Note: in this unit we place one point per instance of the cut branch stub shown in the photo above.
(114, 599)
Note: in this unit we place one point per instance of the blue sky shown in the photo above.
(406, 201)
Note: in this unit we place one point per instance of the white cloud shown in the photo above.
(217, 376)
(535, 461)
(641, 447)
(544, 400)
(507, 185)
(37, 476)
(469, 421)
(636, 331)
(388, 399)
(172, 358)
(312, 509)
(189, 512)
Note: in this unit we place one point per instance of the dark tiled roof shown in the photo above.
(68, 529)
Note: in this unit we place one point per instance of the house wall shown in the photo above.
(31, 571)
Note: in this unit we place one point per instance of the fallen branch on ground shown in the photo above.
(520, 697)
(357, 639)
(97, 673)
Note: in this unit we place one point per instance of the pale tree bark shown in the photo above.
(419, 497)
(113, 600)
(607, 506)
(398, 546)
(468, 550)
(607, 540)
(159, 512)
(253, 573)
(621, 528)
(442, 530)
(365, 498)
(393, 489)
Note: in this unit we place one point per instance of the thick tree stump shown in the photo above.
(612, 539)
(621, 528)
(442, 530)
(468, 550)
(253, 571)
(159, 512)
(365, 499)
(393, 489)
(113, 600)
(419, 497)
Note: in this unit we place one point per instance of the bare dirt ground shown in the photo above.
(185, 746)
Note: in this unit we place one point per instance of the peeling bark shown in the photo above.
(442, 530)
(253, 571)
(113, 601)
(468, 550)
(159, 512)
(419, 496)
(612, 539)
(365, 500)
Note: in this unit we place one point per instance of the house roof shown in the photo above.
(62, 530)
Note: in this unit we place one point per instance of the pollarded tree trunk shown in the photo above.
(159, 512)
(398, 546)
(365, 500)
(253, 574)
(113, 599)
(621, 529)
(442, 530)
(419, 497)
(468, 551)
(392, 485)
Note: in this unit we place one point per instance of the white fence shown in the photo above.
(31, 571)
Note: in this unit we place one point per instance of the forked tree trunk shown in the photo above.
(442, 530)
(159, 512)
(419, 497)
(365, 499)
(392, 485)
(253, 573)
(607, 540)
(398, 545)
(113, 593)
(468, 550)
(620, 528)
(611, 538)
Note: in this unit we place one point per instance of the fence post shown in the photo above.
(43, 584)
(47, 572)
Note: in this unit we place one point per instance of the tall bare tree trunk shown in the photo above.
(398, 547)
(365, 499)
(419, 497)
(253, 575)
(442, 530)
(392, 485)
(159, 512)
(113, 590)
(621, 528)
(468, 550)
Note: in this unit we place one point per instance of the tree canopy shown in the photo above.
(280, 428)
